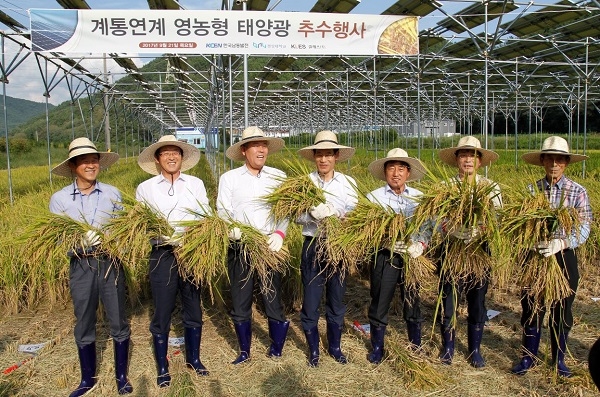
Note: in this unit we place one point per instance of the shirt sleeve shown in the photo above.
(224, 197)
(584, 209)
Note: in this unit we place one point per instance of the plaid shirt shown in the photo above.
(571, 194)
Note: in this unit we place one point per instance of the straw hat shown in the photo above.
(448, 155)
(146, 159)
(253, 134)
(552, 145)
(326, 140)
(79, 147)
(417, 169)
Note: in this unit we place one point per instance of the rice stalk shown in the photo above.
(369, 227)
(528, 220)
(412, 369)
(296, 194)
(129, 231)
(202, 254)
(45, 244)
(450, 204)
(259, 257)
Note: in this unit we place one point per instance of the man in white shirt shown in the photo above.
(340, 198)
(240, 199)
(388, 269)
(173, 194)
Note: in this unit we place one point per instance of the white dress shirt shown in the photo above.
(240, 197)
(175, 201)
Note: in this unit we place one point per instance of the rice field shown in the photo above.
(41, 312)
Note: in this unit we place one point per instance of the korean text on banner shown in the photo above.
(222, 32)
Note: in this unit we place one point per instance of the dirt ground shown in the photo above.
(55, 371)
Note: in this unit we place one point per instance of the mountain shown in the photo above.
(19, 111)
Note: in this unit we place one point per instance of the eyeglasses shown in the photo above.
(169, 154)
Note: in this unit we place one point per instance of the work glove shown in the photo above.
(399, 247)
(91, 239)
(467, 234)
(415, 249)
(275, 242)
(547, 248)
(322, 210)
(174, 240)
(235, 234)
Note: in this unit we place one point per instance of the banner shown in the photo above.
(222, 32)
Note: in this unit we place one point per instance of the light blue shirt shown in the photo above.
(404, 203)
(95, 208)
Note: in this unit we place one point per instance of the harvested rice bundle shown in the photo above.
(414, 371)
(256, 252)
(455, 205)
(528, 220)
(51, 236)
(45, 244)
(366, 229)
(128, 233)
(295, 195)
(202, 254)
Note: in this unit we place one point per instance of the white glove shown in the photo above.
(235, 234)
(91, 239)
(322, 210)
(547, 248)
(275, 242)
(174, 240)
(467, 234)
(399, 247)
(415, 249)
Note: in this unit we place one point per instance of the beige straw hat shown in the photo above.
(552, 145)
(326, 140)
(253, 134)
(448, 155)
(417, 169)
(81, 146)
(191, 155)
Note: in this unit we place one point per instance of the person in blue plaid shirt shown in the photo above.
(560, 190)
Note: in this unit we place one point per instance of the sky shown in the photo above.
(26, 81)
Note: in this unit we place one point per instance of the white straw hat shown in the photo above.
(417, 169)
(552, 145)
(253, 134)
(79, 147)
(190, 157)
(448, 155)
(326, 140)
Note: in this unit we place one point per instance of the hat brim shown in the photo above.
(417, 169)
(146, 159)
(106, 160)
(448, 155)
(345, 152)
(534, 157)
(234, 152)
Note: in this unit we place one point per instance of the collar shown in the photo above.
(406, 191)
(96, 187)
(246, 170)
(161, 178)
(559, 184)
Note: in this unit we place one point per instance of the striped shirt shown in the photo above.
(569, 193)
